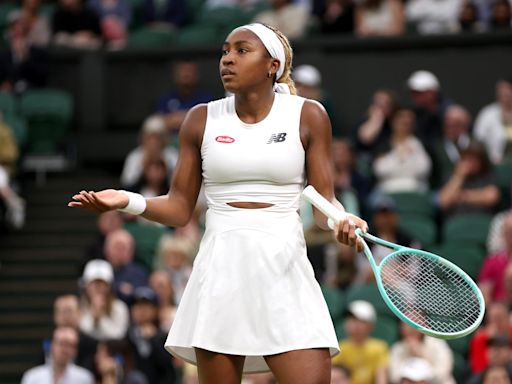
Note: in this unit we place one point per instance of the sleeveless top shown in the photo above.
(262, 162)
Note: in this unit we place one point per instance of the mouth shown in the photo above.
(226, 72)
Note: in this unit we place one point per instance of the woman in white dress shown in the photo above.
(252, 302)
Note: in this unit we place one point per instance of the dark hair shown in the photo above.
(477, 149)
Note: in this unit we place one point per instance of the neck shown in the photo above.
(253, 107)
(58, 371)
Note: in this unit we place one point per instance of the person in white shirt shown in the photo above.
(60, 369)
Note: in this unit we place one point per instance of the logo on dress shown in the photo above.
(224, 139)
(277, 138)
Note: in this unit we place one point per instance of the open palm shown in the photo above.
(102, 201)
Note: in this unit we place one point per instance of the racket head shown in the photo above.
(430, 293)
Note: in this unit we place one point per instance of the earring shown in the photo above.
(269, 74)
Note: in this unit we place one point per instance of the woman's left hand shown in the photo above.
(345, 231)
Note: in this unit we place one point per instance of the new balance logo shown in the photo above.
(277, 138)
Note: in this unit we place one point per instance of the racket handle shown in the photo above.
(323, 205)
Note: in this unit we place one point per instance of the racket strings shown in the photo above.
(430, 293)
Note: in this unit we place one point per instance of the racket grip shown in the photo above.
(334, 214)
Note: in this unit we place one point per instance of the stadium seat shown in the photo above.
(414, 203)
(5, 8)
(386, 328)
(503, 174)
(151, 38)
(48, 113)
(7, 104)
(370, 293)
(421, 228)
(467, 228)
(460, 345)
(147, 238)
(197, 34)
(335, 302)
(468, 256)
(460, 368)
(18, 127)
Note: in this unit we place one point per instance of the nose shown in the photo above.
(227, 59)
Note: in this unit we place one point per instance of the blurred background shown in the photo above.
(92, 95)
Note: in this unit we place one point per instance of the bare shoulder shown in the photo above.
(192, 128)
(314, 121)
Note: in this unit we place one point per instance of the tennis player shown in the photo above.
(252, 302)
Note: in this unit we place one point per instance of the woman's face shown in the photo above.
(403, 122)
(496, 375)
(245, 62)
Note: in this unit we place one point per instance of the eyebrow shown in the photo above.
(238, 42)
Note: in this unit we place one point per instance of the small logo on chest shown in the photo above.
(224, 139)
(277, 138)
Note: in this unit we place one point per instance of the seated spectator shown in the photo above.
(146, 338)
(153, 145)
(471, 187)
(416, 371)
(308, 82)
(186, 93)
(160, 282)
(14, 204)
(496, 324)
(169, 14)
(365, 357)
(501, 16)
(470, 19)
(497, 374)
(379, 18)
(60, 368)
(340, 374)
(175, 253)
(414, 344)
(38, 27)
(493, 124)
(66, 313)
(115, 17)
(287, 16)
(104, 317)
(154, 180)
(22, 65)
(75, 25)
(106, 223)
(491, 278)
(499, 354)
(335, 16)
(495, 240)
(455, 139)
(433, 16)
(404, 166)
(120, 252)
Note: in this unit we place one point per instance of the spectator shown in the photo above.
(495, 238)
(499, 354)
(104, 317)
(335, 16)
(416, 371)
(38, 28)
(9, 151)
(287, 16)
(106, 223)
(60, 368)
(168, 14)
(174, 105)
(429, 105)
(160, 282)
(75, 25)
(433, 16)
(379, 18)
(153, 145)
(471, 187)
(455, 139)
(491, 278)
(497, 374)
(147, 339)
(501, 15)
(470, 19)
(175, 254)
(14, 204)
(22, 65)
(405, 165)
(308, 82)
(365, 357)
(493, 124)
(154, 180)
(340, 374)
(496, 325)
(415, 345)
(115, 18)
(120, 253)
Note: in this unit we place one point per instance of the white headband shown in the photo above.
(274, 47)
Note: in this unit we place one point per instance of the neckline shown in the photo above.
(262, 121)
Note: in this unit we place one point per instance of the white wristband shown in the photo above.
(331, 223)
(136, 203)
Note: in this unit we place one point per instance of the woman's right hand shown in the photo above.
(98, 202)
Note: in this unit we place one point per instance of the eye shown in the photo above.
(224, 52)
(242, 50)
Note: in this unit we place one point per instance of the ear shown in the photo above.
(274, 66)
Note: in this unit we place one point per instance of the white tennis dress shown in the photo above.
(252, 291)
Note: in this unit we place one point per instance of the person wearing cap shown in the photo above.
(416, 370)
(500, 355)
(252, 303)
(366, 358)
(146, 338)
(104, 316)
(153, 145)
(429, 105)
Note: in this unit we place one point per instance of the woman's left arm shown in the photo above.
(315, 131)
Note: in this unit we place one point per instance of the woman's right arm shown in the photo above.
(176, 208)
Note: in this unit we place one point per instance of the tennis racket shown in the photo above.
(424, 290)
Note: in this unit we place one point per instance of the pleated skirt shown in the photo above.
(252, 291)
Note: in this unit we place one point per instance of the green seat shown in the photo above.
(47, 10)
(7, 104)
(223, 17)
(197, 34)
(18, 127)
(460, 345)
(137, 14)
(468, 256)
(386, 328)
(151, 38)
(5, 8)
(421, 228)
(369, 292)
(335, 302)
(460, 368)
(467, 228)
(414, 203)
(147, 238)
(503, 174)
(48, 113)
